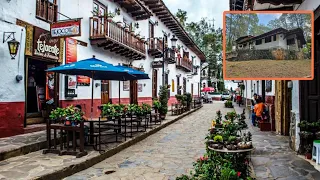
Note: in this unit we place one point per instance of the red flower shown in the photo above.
(238, 174)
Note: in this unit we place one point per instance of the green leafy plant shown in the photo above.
(146, 108)
(228, 104)
(218, 117)
(227, 174)
(106, 110)
(131, 108)
(163, 98)
(232, 138)
(139, 111)
(218, 138)
(156, 103)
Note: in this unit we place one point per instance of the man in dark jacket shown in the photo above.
(253, 102)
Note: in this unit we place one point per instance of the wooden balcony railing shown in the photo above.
(185, 64)
(170, 56)
(101, 28)
(46, 11)
(155, 44)
(155, 47)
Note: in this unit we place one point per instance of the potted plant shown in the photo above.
(110, 16)
(146, 108)
(163, 98)
(119, 24)
(156, 104)
(139, 112)
(131, 108)
(218, 139)
(127, 28)
(107, 111)
(308, 154)
(302, 125)
(188, 100)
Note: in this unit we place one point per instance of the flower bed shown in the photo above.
(228, 104)
(220, 165)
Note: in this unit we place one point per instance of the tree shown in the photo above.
(182, 17)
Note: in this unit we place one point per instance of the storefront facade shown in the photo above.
(24, 102)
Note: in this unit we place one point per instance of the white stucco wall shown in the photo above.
(9, 11)
(280, 42)
(310, 5)
(11, 90)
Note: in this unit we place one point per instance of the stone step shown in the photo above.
(36, 165)
(22, 144)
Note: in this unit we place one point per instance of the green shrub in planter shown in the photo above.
(228, 104)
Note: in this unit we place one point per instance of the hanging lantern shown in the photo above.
(13, 45)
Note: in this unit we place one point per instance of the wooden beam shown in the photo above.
(158, 10)
(161, 13)
(155, 6)
(133, 9)
(148, 2)
(138, 13)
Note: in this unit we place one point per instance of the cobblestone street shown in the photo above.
(273, 158)
(164, 155)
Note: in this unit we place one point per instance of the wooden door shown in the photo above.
(191, 90)
(154, 83)
(105, 95)
(310, 90)
(134, 92)
(184, 85)
(178, 85)
(282, 108)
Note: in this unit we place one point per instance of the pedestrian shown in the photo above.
(259, 109)
(253, 103)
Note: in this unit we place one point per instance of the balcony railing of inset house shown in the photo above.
(155, 47)
(170, 56)
(114, 37)
(184, 64)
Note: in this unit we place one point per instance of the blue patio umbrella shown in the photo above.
(139, 75)
(96, 69)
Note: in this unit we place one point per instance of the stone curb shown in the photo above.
(72, 169)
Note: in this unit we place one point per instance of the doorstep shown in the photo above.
(36, 165)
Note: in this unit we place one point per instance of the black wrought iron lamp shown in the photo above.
(117, 11)
(12, 43)
(165, 49)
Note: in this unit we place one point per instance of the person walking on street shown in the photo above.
(253, 103)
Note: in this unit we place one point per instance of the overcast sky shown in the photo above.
(197, 9)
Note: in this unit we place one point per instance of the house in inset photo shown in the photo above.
(275, 45)
(278, 38)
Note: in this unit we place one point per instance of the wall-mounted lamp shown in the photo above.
(12, 43)
(117, 11)
(174, 41)
(290, 84)
(178, 75)
(136, 25)
(97, 84)
(167, 71)
(144, 85)
(156, 23)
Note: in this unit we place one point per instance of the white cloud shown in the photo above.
(198, 9)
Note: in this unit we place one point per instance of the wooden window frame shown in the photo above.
(47, 11)
(259, 40)
(274, 38)
(100, 5)
(268, 39)
(291, 43)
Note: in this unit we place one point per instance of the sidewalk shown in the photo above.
(35, 165)
(273, 158)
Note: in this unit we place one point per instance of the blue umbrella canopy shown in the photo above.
(94, 68)
(134, 72)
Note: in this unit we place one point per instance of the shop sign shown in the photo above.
(156, 64)
(44, 46)
(83, 81)
(71, 50)
(72, 82)
(29, 36)
(66, 28)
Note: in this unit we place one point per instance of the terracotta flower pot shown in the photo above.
(162, 116)
(308, 155)
(67, 123)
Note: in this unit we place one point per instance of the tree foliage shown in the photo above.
(207, 38)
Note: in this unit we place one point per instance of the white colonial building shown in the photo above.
(118, 32)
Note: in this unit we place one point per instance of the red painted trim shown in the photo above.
(11, 118)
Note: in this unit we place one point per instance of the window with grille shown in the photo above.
(47, 10)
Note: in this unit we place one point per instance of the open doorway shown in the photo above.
(41, 90)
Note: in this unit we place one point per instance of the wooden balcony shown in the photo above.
(113, 37)
(47, 11)
(170, 56)
(184, 64)
(155, 47)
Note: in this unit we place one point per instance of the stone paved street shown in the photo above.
(273, 158)
(164, 155)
